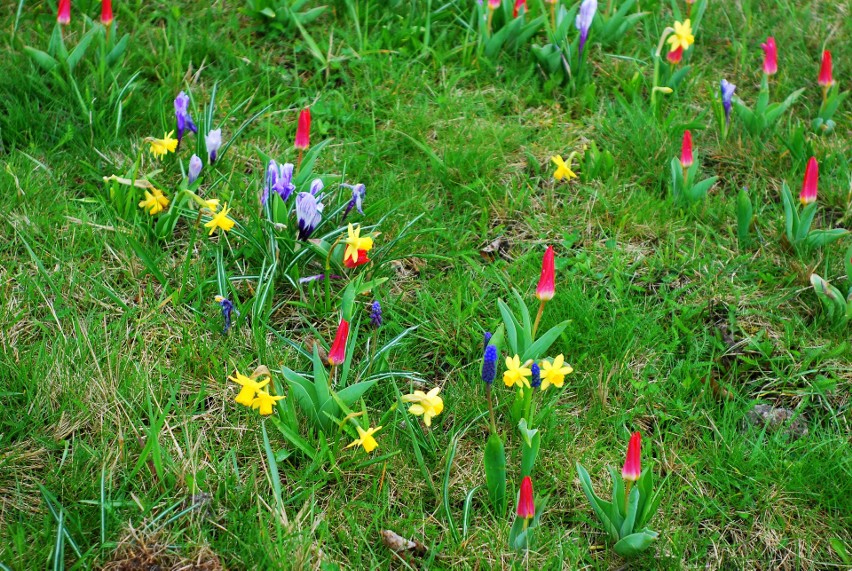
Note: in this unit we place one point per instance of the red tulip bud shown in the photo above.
(825, 78)
(338, 349)
(633, 464)
(63, 15)
(546, 283)
(303, 131)
(809, 185)
(686, 150)
(526, 505)
(106, 12)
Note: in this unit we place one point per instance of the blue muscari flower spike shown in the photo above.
(228, 310)
(535, 380)
(489, 364)
(376, 314)
(487, 340)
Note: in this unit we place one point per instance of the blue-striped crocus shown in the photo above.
(213, 140)
(279, 179)
(727, 94)
(356, 202)
(308, 213)
(228, 310)
(269, 182)
(376, 314)
(195, 167)
(584, 20)
(184, 121)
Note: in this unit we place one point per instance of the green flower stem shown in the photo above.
(327, 277)
(538, 318)
(490, 409)
(657, 57)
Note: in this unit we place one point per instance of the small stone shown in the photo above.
(777, 418)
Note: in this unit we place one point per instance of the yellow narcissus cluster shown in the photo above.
(252, 394)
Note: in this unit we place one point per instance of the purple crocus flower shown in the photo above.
(184, 121)
(195, 167)
(213, 141)
(584, 20)
(284, 185)
(376, 314)
(318, 277)
(279, 179)
(727, 94)
(228, 310)
(308, 212)
(358, 192)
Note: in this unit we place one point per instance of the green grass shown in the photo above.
(117, 414)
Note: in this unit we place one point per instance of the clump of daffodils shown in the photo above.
(253, 395)
(428, 405)
(547, 372)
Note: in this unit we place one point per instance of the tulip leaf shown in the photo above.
(601, 508)
(511, 328)
(118, 50)
(677, 77)
(776, 110)
(543, 343)
(80, 49)
(632, 509)
(293, 438)
(745, 213)
(306, 170)
(791, 215)
(617, 511)
(677, 179)
(699, 189)
(43, 60)
(525, 316)
(634, 544)
(495, 474)
(817, 238)
(806, 218)
(349, 395)
(529, 448)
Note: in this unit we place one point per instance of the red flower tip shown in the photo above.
(825, 78)
(809, 184)
(106, 12)
(526, 505)
(63, 15)
(338, 349)
(546, 283)
(633, 463)
(686, 150)
(303, 131)
(770, 56)
(675, 56)
(360, 261)
(518, 5)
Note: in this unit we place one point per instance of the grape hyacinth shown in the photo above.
(489, 365)
(376, 314)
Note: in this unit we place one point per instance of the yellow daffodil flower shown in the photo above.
(250, 387)
(355, 243)
(220, 220)
(515, 374)
(155, 201)
(211, 204)
(428, 404)
(554, 373)
(160, 147)
(365, 439)
(265, 401)
(562, 170)
(682, 36)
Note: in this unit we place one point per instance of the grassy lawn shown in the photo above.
(121, 445)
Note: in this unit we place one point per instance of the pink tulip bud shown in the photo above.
(633, 464)
(106, 12)
(63, 16)
(825, 78)
(526, 504)
(303, 131)
(809, 185)
(337, 354)
(675, 56)
(770, 56)
(546, 283)
(686, 150)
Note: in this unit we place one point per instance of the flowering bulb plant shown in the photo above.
(684, 172)
(831, 96)
(765, 114)
(527, 372)
(563, 58)
(633, 504)
(838, 306)
(504, 25)
(797, 224)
